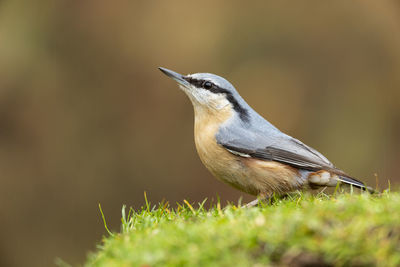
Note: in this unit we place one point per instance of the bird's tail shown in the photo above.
(356, 183)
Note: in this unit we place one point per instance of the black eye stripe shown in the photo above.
(195, 82)
(243, 113)
(206, 85)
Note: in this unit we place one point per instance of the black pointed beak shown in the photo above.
(174, 75)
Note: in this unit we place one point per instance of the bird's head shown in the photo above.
(209, 91)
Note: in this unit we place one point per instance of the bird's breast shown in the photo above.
(247, 174)
(216, 158)
(207, 123)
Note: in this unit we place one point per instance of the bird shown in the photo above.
(241, 148)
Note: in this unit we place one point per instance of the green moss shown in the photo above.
(344, 230)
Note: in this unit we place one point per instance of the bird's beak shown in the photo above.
(174, 75)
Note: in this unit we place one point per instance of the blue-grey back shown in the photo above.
(254, 134)
(257, 134)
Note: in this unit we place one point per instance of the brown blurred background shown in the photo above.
(86, 117)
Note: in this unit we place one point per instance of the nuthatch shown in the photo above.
(241, 148)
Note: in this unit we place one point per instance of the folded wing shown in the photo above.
(273, 145)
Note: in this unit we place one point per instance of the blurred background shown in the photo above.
(86, 117)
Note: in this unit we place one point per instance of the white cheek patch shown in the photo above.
(204, 97)
(221, 104)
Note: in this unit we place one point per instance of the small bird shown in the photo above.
(239, 147)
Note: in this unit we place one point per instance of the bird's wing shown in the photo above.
(272, 145)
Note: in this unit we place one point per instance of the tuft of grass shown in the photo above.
(339, 230)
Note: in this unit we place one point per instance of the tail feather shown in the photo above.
(356, 183)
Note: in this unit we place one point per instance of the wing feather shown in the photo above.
(275, 146)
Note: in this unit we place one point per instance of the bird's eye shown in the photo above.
(207, 85)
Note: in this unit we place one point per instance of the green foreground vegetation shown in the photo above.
(340, 230)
